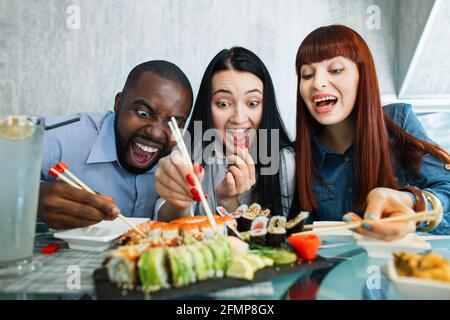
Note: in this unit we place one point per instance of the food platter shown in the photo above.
(110, 291)
(189, 256)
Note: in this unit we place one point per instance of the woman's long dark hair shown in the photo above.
(241, 59)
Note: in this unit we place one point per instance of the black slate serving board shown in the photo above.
(110, 291)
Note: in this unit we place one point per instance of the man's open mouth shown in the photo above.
(142, 154)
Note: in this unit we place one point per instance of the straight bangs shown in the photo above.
(326, 43)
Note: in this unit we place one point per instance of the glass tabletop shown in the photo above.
(68, 274)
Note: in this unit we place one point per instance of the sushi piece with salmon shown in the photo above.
(155, 230)
(258, 230)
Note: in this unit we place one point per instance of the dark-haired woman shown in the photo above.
(355, 157)
(251, 158)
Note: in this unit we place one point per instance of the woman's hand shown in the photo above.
(384, 203)
(175, 180)
(239, 179)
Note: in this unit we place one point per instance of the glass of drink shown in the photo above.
(21, 142)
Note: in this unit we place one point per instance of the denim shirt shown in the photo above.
(336, 194)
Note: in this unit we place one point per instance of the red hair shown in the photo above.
(373, 149)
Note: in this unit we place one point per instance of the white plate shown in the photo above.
(417, 288)
(97, 237)
(336, 236)
(383, 250)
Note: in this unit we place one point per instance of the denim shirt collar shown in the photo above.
(104, 148)
(320, 151)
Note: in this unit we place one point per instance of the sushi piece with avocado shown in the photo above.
(276, 231)
(152, 269)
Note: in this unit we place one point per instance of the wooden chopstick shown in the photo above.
(420, 216)
(173, 125)
(58, 174)
(64, 168)
(73, 184)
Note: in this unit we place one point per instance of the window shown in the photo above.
(437, 126)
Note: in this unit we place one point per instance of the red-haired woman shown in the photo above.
(354, 158)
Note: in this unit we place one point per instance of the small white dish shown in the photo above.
(98, 237)
(336, 236)
(383, 250)
(417, 288)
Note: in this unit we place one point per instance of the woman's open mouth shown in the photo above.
(239, 137)
(324, 104)
(141, 155)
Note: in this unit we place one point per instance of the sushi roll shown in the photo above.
(189, 229)
(152, 269)
(230, 223)
(132, 237)
(200, 265)
(208, 259)
(206, 229)
(188, 260)
(265, 213)
(155, 230)
(121, 264)
(296, 224)
(179, 268)
(194, 219)
(276, 232)
(220, 257)
(258, 230)
(237, 215)
(254, 210)
(221, 226)
(245, 222)
(240, 210)
(170, 230)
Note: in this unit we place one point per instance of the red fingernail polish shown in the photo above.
(200, 168)
(190, 180)
(206, 196)
(194, 192)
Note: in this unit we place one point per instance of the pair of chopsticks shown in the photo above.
(173, 125)
(420, 216)
(61, 168)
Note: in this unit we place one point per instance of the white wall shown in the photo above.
(47, 67)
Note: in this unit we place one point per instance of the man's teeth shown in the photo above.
(146, 148)
(324, 99)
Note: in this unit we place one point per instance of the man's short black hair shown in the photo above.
(161, 68)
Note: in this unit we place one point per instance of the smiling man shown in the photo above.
(114, 153)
